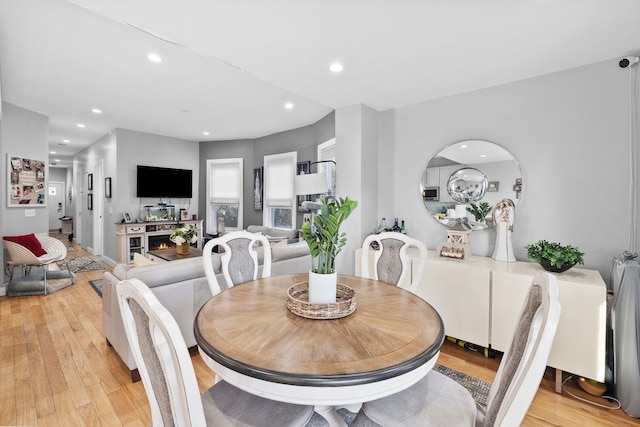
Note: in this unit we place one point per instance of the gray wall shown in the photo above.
(121, 151)
(23, 133)
(569, 131)
(304, 140)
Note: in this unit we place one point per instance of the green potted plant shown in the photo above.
(479, 211)
(553, 256)
(325, 241)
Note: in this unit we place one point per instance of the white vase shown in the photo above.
(322, 288)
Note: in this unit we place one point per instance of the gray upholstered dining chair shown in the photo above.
(391, 263)
(438, 400)
(239, 262)
(169, 378)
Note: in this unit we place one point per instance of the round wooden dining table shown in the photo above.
(250, 339)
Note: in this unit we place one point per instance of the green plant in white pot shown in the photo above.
(325, 241)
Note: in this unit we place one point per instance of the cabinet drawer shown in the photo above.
(135, 229)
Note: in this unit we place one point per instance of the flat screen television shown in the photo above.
(164, 182)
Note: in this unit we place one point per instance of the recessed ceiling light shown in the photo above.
(288, 105)
(52, 152)
(336, 67)
(66, 141)
(463, 146)
(56, 160)
(205, 133)
(80, 125)
(96, 110)
(483, 155)
(154, 57)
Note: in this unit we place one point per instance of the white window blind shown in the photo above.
(279, 173)
(225, 182)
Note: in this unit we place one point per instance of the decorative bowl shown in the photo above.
(546, 264)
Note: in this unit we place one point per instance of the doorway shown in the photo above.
(55, 204)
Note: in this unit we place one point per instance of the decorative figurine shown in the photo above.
(503, 217)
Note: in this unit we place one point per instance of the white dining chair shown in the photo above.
(438, 400)
(391, 262)
(239, 262)
(169, 378)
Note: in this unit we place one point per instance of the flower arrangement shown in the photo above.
(182, 235)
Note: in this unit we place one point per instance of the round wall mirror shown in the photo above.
(463, 182)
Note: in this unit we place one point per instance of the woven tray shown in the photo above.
(298, 303)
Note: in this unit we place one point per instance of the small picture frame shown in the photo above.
(493, 186)
(107, 188)
(127, 217)
(184, 215)
(90, 182)
(90, 201)
(517, 187)
(518, 181)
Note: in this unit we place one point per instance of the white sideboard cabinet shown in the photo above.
(479, 300)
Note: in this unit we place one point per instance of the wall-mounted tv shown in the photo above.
(164, 182)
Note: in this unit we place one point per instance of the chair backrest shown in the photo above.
(524, 363)
(239, 262)
(21, 255)
(391, 262)
(52, 245)
(161, 356)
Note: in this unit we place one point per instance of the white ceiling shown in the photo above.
(229, 66)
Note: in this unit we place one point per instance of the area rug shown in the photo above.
(80, 264)
(479, 390)
(97, 286)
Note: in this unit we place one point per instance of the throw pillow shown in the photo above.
(29, 241)
(139, 260)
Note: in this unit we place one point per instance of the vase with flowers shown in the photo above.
(325, 241)
(184, 237)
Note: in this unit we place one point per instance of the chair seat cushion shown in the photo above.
(29, 241)
(435, 400)
(225, 405)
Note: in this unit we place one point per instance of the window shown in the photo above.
(327, 151)
(279, 199)
(224, 190)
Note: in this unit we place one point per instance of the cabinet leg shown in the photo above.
(559, 381)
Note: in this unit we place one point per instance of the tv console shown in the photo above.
(141, 237)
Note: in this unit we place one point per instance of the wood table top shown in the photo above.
(249, 329)
(171, 254)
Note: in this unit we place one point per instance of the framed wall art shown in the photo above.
(257, 188)
(90, 201)
(90, 182)
(107, 188)
(26, 178)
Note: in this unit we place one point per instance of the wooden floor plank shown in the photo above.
(61, 372)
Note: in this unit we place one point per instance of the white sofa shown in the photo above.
(181, 286)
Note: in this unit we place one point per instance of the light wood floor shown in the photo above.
(56, 369)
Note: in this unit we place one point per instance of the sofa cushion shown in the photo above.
(294, 250)
(140, 260)
(274, 233)
(163, 273)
